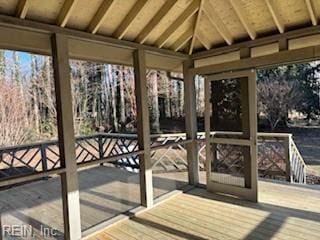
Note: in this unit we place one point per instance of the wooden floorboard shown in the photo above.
(105, 192)
(285, 212)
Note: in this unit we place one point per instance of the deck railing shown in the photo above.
(278, 156)
(298, 167)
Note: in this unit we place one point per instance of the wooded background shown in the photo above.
(104, 97)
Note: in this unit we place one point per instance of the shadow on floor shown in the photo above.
(104, 193)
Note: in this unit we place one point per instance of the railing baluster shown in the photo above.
(44, 157)
(100, 147)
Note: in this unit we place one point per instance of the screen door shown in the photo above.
(231, 133)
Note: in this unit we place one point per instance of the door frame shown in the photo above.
(243, 192)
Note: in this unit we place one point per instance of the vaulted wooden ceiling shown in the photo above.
(180, 25)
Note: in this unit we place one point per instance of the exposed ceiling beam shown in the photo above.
(275, 59)
(100, 15)
(184, 16)
(196, 26)
(182, 40)
(203, 39)
(275, 15)
(312, 13)
(65, 12)
(22, 8)
(129, 19)
(216, 21)
(286, 36)
(236, 5)
(143, 35)
(41, 33)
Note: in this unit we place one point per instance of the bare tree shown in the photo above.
(199, 81)
(13, 111)
(2, 65)
(275, 99)
(121, 97)
(152, 78)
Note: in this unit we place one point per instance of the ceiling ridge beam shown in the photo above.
(65, 12)
(182, 40)
(236, 5)
(129, 19)
(143, 35)
(99, 16)
(196, 26)
(312, 13)
(275, 15)
(22, 8)
(183, 17)
(216, 21)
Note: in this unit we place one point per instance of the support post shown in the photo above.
(287, 146)
(245, 126)
(191, 122)
(69, 179)
(143, 125)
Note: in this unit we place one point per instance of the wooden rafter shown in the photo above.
(312, 13)
(22, 8)
(182, 40)
(202, 38)
(65, 12)
(143, 35)
(275, 15)
(100, 15)
(236, 5)
(196, 26)
(216, 21)
(186, 14)
(129, 19)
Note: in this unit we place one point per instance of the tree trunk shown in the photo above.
(34, 92)
(113, 98)
(154, 114)
(122, 109)
(2, 65)
(167, 95)
(181, 99)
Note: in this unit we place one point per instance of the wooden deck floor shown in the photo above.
(284, 212)
(105, 192)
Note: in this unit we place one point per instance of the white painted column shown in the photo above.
(69, 179)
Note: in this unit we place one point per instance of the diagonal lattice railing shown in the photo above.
(121, 149)
(168, 153)
(278, 157)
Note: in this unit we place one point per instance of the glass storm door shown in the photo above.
(231, 133)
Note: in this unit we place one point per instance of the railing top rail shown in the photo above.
(259, 134)
(281, 135)
(134, 136)
(31, 145)
(48, 142)
(122, 135)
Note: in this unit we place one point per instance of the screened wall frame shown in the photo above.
(63, 46)
(249, 124)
